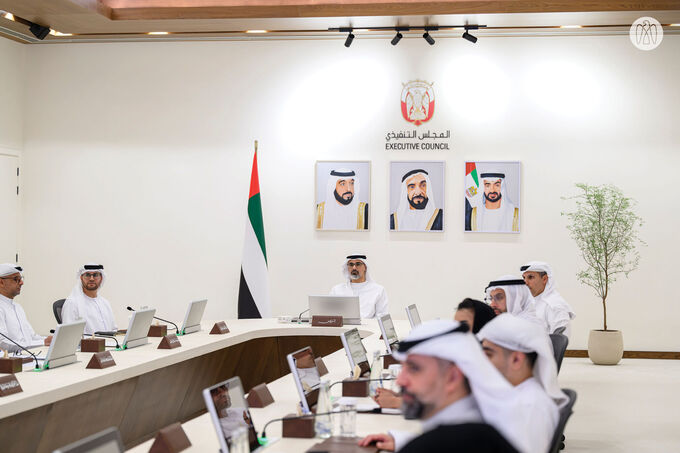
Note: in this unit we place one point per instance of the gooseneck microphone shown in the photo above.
(362, 380)
(160, 319)
(264, 430)
(103, 335)
(300, 315)
(37, 367)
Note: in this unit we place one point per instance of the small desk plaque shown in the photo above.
(171, 439)
(92, 345)
(11, 364)
(158, 330)
(327, 321)
(9, 385)
(260, 396)
(298, 427)
(101, 360)
(169, 342)
(220, 328)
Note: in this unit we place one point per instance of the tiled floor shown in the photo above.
(630, 407)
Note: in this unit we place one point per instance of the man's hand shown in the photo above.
(382, 441)
(387, 398)
(48, 340)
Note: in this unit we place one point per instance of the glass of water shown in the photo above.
(346, 420)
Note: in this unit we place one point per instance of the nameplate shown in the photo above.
(260, 396)
(9, 385)
(170, 439)
(11, 365)
(158, 330)
(219, 328)
(92, 345)
(101, 360)
(327, 321)
(169, 342)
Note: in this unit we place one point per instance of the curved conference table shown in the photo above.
(151, 388)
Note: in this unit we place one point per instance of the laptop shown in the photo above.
(107, 441)
(192, 320)
(62, 350)
(228, 409)
(389, 334)
(138, 329)
(356, 353)
(306, 377)
(346, 306)
(413, 316)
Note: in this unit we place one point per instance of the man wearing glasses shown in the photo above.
(84, 302)
(13, 321)
(372, 296)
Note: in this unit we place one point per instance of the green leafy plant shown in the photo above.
(605, 229)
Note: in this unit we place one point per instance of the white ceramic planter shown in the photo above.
(605, 347)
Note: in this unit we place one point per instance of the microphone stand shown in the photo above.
(264, 430)
(37, 367)
(300, 316)
(161, 319)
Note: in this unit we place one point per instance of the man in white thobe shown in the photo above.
(85, 303)
(523, 353)
(551, 307)
(496, 213)
(417, 209)
(372, 296)
(509, 294)
(13, 321)
(342, 209)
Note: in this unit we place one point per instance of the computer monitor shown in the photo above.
(356, 353)
(413, 315)
(107, 441)
(388, 332)
(192, 320)
(138, 329)
(62, 350)
(306, 377)
(228, 409)
(345, 306)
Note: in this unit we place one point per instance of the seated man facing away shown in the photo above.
(522, 352)
(85, 303)
(551, 307)
(13, 321)
(475, 313)
(436, 390)
(372, 296)
(509, 294)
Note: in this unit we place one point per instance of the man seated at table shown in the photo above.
(372, 296)
(509, 294)
(13, 321)
(523, 353)
(85, 303)
(551, 307)
(475, 313)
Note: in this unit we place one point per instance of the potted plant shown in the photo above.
(605, 229)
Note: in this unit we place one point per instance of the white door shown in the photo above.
(9, 208)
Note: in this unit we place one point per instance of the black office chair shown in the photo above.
(557, 443)
(560, 343)
(56, 308)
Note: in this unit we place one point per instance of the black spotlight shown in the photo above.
(428, 38)
(396, 38)
(469, 37)
(39, 31)
(350, 38)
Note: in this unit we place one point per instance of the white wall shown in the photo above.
(141, 160)
(12, 71)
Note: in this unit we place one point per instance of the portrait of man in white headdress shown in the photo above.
(415, 197)
(342, 195)
(494, 206)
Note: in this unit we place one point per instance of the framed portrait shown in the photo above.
(416, 196)
(343, 192)
(492, 197)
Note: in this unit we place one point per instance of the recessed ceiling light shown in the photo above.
(157, 33)
(675, 25)
(571, 26)
(8, 16)
(58, 33)
(256, 31)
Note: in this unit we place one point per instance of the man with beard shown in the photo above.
(372, 296)
(417, 209)
(342, 210)
(509, 294)
(497, 213)
(84, 302)
(550, 305)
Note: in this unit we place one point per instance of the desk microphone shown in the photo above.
(160, 319)
(361, 380)
(103, 335)
(300, 316)
(264, 434)
(37, 367)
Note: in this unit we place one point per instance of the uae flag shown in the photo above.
(471, 182)
(253, 291)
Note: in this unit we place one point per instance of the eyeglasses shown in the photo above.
(497, 297)
(89, 275)
(350, 265)
(17, 280)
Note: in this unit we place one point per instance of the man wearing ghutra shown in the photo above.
(497, 213)
(13, 321)
(342, 210)
(445, 381)
(417, 209)
(85, 303)
(509, 294)
(372, 296)
(550, 305)
(523, 353)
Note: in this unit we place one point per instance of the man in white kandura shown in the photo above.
(523, 353)
(372, 296)
(551, 307)
(496, 213)
(85, 303)
(417, 209)
(509, 294)
(342, 210)
(13, 321)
